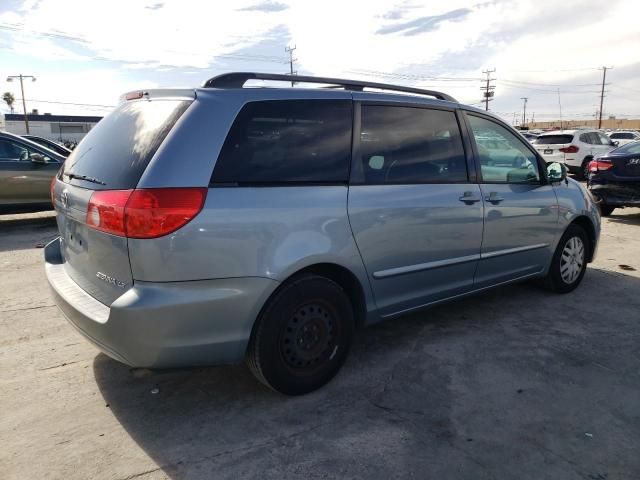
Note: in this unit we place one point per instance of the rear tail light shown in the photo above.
(569, 149)
(144, 213)
(600, 165)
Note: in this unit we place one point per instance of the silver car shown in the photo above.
(204, 226)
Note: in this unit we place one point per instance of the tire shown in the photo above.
(565, 274)
(303, 335)
(584, 169)
(606, 210)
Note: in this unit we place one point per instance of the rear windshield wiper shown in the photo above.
(86, 178)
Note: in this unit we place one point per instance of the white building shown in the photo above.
(59, 128)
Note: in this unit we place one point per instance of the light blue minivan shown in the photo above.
(204, 226)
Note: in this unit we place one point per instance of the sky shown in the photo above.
(84, 54)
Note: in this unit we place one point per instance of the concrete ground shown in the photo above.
(516, 383)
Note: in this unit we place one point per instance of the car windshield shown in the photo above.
(628, 149)
(553, 139)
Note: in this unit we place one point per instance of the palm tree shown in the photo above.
(9, 99)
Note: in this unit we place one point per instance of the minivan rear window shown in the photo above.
(553, 139)
(117, 150)
(287, 141)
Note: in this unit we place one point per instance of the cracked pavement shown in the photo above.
(513, 383)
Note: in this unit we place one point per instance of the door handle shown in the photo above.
(494, 198)
(469, 198)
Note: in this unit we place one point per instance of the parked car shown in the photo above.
(26, 171)
(528, 135)
(574, 148)
(50, 144)
(614, 179)
(624, 137)
(204, 226)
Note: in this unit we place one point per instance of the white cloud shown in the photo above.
(544, 42)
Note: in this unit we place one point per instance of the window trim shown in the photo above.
(356, 164)
(278, 183)
(542, 165)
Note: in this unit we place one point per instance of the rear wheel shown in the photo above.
(303, 336)
(569, 261)
(584, 169)
(606, 210)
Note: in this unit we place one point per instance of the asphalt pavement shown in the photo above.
(516, 383)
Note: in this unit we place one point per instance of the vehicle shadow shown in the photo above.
(19, 232)
(625, 219)
(467, 389)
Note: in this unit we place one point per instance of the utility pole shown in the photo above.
(604, 77)
(24, 103)
(560, 107)
(290, 50)
(514, 118)
(524, 110)
(488, 88)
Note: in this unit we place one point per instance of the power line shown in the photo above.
(70, 103)
(488, 88)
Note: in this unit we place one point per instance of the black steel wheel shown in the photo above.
(303, 335)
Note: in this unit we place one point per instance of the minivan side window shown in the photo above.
(287, 141)
(503, 156)
(405, 145)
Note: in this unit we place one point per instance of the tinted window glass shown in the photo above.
(12, 151)
(503, 156)
(409, 145)
(604, 140)
(593, 138)
(622, 136)
(117, 150)
(553, 139)
(287, 141)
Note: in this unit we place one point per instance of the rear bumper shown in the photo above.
(162, 325)
(617, 193)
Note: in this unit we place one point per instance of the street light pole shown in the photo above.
(24, 102)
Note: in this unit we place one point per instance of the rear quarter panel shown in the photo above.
(269, 232)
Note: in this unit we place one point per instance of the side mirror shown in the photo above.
(556, 172)
(615, 143)
(37, 158)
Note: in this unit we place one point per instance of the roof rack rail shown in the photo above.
(238, 79)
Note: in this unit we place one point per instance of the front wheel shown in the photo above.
(569, 262)
(303, 335)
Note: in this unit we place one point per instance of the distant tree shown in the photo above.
(9, 99)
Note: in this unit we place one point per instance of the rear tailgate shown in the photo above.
(113, 156)
(549, 146)
(96, 261)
